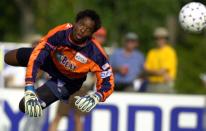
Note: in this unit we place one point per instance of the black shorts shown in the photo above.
(61, 86)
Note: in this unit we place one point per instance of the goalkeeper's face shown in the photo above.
(83, 29)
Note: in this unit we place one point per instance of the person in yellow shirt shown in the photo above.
(161, 64)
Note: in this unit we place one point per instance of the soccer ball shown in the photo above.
(192, 17)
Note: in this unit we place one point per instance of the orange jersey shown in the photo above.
(72, 61)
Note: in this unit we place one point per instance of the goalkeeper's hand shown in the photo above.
(32, 105)
(88, 102)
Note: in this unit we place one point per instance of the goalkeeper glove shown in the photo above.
(88, 102)
(32, 105)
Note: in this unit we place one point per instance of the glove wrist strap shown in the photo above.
(99, 96)
(30, 88)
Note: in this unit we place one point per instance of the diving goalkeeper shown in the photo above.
(67, 53)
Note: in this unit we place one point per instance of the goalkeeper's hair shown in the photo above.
(92, 15)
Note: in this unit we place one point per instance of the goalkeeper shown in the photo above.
(67, 53)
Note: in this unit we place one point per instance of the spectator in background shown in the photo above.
(127, 63)
(161, 64)
(64, 108)
(101, 35)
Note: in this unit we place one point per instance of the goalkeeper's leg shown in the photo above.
(44, 94)
(18, 57)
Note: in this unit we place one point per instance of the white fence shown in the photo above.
(121, 112)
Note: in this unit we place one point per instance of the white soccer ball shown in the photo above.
(192, 17)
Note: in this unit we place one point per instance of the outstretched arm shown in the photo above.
(104, 88)
(41, 51)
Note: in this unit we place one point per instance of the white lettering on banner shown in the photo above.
(105, 74)
(122, 112)
(81, 58)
